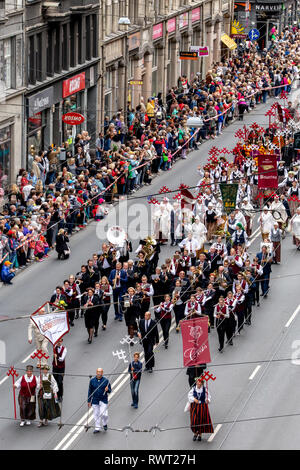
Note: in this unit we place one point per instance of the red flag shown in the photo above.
(267, 172)
(195, 341)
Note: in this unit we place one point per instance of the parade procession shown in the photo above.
(150, 270)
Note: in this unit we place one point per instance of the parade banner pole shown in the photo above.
(12, 371)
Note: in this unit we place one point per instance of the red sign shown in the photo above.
(267, 172)
(73, 119)
(74, 84)
(171, 25)
(157, 31)
(195, 14)
(195, 341)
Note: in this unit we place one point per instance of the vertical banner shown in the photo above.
(267, 172)
(195, 341)
(229, 194)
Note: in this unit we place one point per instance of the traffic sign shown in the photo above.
(253, 34)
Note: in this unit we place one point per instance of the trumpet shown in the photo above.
(115, 279)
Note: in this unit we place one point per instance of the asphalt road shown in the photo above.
(236, 399)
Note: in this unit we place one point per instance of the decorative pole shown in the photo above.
(12, 371)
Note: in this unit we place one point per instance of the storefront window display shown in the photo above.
(35, 131)
(5, 155)
(73, 103)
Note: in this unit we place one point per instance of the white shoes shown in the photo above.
(28, 423)
(22, 423)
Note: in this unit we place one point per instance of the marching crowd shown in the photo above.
(222, 282)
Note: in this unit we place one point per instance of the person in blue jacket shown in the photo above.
(7, 273)
(99, 388)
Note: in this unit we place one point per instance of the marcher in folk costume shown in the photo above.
(266, 222)
(275, 237)
(247, 209)
(41, 341)
(165, 317)
(58, 366)
(280, 215)
(199, 232)
(161, 219)
(295, 228)
(99, 388)
(239, 236)
(211, 221)
(199, 397)
(27, 400)
(47, 397)
(190, 244)
(192, 307)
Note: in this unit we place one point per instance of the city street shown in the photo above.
(253, 395)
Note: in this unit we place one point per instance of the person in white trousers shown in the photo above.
(99, 388)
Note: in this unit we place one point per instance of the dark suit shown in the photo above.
(267, 269)
(118, 292)
(149, 339)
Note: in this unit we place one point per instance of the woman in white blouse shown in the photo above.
(199, 397)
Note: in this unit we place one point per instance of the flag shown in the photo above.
(267, 172)
(195, 341)
(52, 325)
(229, 194)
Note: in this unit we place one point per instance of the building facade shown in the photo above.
(143, 60)
(11, 89)
(61, 43)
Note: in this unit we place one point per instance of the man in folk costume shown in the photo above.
(58, 366)
(99, 387)
(235, 262)
(295, 228)
(161, 219)
(280, 215)
(192, 307)
(165, 317)
(192, 245)
(175, 224)
(211, 221)
(266, 222)
(221, 313)
(239, 307)
(199, 397)
(41, 341)
(275, 237)
(248, 210)
(199, 232)
(47, 396)
(27, 400)
(221, 250)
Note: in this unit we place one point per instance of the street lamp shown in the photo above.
(124, 21)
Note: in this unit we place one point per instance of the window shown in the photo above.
(95, 37)
(88, 52)
(57, 68)
(65, 45)
(6, 72)
(5, 154)
(79, 39)
(49, 53)
(19, 61)
(11, 5)
(38, 55)
(72, 41)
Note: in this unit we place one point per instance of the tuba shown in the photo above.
(116, 235)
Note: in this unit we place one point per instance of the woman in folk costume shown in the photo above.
(211, 221)
(47, 389)
(280, 215)
(27, 385)
(295, 227)
(199, 397)
(266, 222)
(293, 196)
(199, 232)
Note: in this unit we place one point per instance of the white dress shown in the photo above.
(199, 232)
(266, 221)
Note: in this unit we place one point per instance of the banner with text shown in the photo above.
(52, 325)
(195, 341)
(229, 194)
(267, 172)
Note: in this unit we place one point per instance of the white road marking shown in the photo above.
(254, 372)
(28, 357)
(217, 429)
(3, 380)
(87, 417)
(292, 317)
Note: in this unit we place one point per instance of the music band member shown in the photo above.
(221, 313)
(165, 317)
(148, 334)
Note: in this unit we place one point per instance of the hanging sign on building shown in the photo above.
(73, 85)
(183, 20)
(195, 14)
(73, 119)
(202, 51)
(230, 43)
(188, 55)
(237, 30)
(171, 25)
(157, 31)
(40, 101)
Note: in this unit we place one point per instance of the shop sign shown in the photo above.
(136, 82)
(73, 119)
(183, 20)
(202, 51)
(195, 14)
(74, 84)
(188, 55)
(171, 25)
(157, 31)
(230, 43)
(40, 101)
(268, 6)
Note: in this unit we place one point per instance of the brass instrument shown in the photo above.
(115, 279)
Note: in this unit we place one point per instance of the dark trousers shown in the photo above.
(148, 351)
(58, 375)
(105, 309)
(165, 324)
(240, 316)
(117, 296)
(223, 326)
(265, 283)
(179, 313)
(248, 306)
(255, 297)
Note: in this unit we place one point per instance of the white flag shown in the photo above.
(52, 325)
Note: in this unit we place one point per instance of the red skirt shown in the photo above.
(200, 419)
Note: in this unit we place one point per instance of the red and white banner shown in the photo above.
(195, 14)
(171, 25)
(267, 172)
(73, 85)
(195, 341)
(52, 325)
(157, 31)
(73, 119)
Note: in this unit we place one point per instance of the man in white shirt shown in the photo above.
(190, 244)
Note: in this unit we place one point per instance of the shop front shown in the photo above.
(74, 100)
